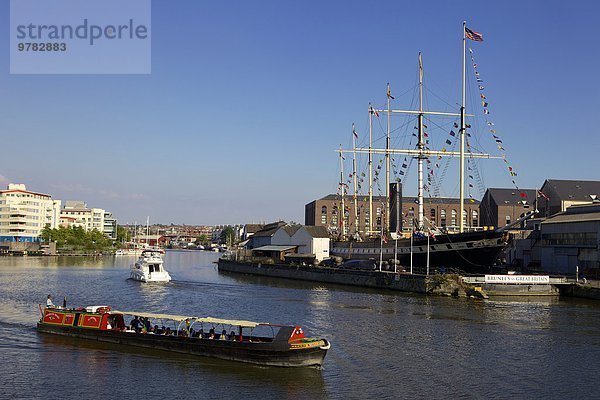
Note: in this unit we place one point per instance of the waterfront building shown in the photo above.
(263, 236)
(65, 221)
(500, 207)
(24, 214)
(308, 240)
(565, 243)
(441, 211)
(110, 225)
(77, 214)
(215, 235)
(570, 241)
(204, 230)
(557, 195)
(152, 240)
(250, 229)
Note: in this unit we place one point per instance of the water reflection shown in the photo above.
(153, 295)
(65, 261)
(98, 356)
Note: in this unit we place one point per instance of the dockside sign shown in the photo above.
(522, 279)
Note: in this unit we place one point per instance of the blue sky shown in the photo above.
(248, 101)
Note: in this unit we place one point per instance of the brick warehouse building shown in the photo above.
(500, 207)
(443, 212)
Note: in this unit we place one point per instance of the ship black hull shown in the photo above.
(271, 353)
(470, 252)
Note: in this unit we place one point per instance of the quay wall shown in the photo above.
(581, 291)
(8, 248)
(446, 284)
(443, 285)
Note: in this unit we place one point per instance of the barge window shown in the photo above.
(262, 333)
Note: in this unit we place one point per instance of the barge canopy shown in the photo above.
(180, 318)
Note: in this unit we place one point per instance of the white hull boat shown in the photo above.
(149, 268)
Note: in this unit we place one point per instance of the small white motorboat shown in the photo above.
(149, 268)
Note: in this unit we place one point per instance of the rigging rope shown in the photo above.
(491, 126)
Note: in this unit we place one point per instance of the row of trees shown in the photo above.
(77, 239)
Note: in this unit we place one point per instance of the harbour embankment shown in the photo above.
(588, 290)
(438, 284)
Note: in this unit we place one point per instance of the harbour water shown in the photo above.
(385, 345)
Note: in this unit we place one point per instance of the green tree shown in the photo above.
(97, 241)
(46, 234)
(123, 235)
(202, 239)
(76, 237)
(227, 235)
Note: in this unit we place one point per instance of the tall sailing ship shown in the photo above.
(428, 246)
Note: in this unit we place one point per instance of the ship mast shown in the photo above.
(421, 152)
(343, 213)
(356, 229)
(462, 133)
(420, 146)
(370, 229)
(385, 220)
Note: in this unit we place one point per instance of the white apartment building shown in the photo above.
(24, 214)
(77, 214)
